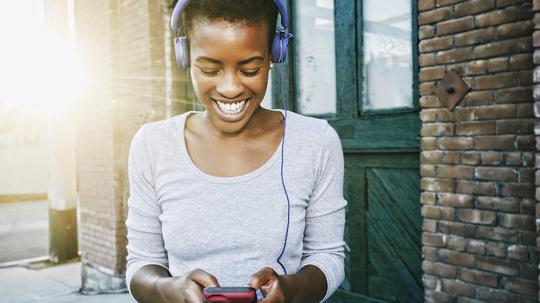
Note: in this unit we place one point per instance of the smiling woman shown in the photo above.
(40, 70)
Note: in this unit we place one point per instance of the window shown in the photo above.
(387, 54)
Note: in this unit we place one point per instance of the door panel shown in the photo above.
(394, 228)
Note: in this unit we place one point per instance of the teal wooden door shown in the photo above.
(381, 147)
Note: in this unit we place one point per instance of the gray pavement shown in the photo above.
(24, 230)
(44, 283)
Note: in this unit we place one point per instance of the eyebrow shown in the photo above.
(243, 62)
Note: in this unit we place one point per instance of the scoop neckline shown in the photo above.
(181, 123)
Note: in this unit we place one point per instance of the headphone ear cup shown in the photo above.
(181, 49)
(279, 47)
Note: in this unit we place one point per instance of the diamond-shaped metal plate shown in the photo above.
(451, 89)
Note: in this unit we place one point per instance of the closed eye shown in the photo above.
(251, 73)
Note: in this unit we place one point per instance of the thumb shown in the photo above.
(262, 277)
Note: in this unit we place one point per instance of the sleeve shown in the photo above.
(325, 215)
(145, 241)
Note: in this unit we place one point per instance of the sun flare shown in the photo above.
(40, 69)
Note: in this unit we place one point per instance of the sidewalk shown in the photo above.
(41, 282)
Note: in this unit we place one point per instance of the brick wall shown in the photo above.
(477, 161)
(126, 46)
(536, 95)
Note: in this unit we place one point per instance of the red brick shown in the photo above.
(429, 225)
(454, 55)
(496, 112)
(517, 190)
(494, 142)
(429, 281)
(522, 286)
(473, 7)
(476, 188)
(429, 143)
(497, 17)
(497, 266)
(476, 98)
(495, 173)
(518, 252)
(515, 126)
(435, 44)
(458, 288)
(457, 243)
(431, 157)
(432, 73)
(455, 200)
(514, 30)
(521, 61)
(457, 228)
(439, 269)
(514, 95)
(474, 37)
(491, 158)
(425, 5)
(432, 296)
(501, 204)
(475, 128)
(525, 111)
(525, 142)
(470, 158)
(455, 26)
(455, 143)
(427, 170)
(426, 60)
(426, 31)
(497, 249)
(498, 64)
(476, 247)
(497, 234)
(500, 80)
(506, 47)
(464, 114)
(437, 185)
(476, 216)
(495, 295)
(434, 15)
(456, 258)
(517, 221)
(478, 277)
(434, 240)
(448, 2)
(429, 253)
(428, 198)
(437, 129)
(459, 172)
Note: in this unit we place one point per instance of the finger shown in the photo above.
(275, 294)
(193, 295)
(262, 277)
(203, 278)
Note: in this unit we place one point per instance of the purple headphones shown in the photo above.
(279, 44)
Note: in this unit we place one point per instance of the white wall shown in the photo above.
(23, 170)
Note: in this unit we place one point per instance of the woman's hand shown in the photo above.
(186, 289)
(276, 288)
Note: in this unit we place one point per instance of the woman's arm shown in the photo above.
(154, 284)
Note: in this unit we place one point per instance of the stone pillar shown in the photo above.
(477, 161)
(62, 188)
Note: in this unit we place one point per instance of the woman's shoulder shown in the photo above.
(308, 124)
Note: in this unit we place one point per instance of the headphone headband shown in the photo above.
(182, 4)
(278, 47)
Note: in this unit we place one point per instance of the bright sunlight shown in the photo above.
(40, 72)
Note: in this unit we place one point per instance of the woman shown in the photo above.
(222, 197)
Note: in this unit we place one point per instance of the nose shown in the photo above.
(229, 86)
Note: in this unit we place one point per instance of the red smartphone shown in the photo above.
(230, 294)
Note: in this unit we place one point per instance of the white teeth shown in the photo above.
(231, 108)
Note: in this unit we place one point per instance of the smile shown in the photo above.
(231, 108)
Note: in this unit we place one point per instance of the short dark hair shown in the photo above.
(252, 11)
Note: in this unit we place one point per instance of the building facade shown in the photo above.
(442, 204)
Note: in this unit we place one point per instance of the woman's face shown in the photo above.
(229, 69)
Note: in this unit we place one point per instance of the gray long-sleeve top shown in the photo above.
(182, 218)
